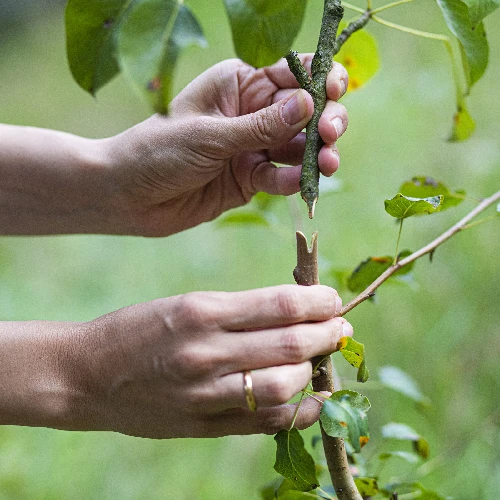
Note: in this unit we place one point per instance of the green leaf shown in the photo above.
(246, 217)
(91, 29)
(360, 58)
(398, 380)
(472, 38)
(424, 187)
(415, 487)
(367, 486)
(405, 455)
(293, 461)
(463, 124)
(264, 31)
(296, 495)
(403, 207)
(344, 415)
(354, 353)
(479, 9)
(370, 269)
(406, 433)
(150, 39)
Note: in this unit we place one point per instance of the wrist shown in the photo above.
(43, 378)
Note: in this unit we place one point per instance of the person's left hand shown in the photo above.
(218, 146)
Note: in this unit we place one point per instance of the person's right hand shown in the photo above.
(173, 367)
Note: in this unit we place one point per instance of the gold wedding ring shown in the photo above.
(248, 386)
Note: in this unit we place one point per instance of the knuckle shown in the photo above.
(264, 125)
(279, 390)
(198, 308)
(295, 345)
(289, 305)
(274, 421)
(193, 362)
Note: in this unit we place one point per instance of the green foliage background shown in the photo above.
(445, 334)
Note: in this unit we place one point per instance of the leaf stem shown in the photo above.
(397, 242)
(324, 493)
(297, 410)
(390, 6)
(482, 221)
(427, 249)
(353, 7)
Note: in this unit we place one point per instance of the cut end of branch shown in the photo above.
(311, 204)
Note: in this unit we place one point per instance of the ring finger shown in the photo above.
(270, 386)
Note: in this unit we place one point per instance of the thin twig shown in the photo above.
(427, 249)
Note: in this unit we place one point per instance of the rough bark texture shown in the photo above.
(328, 46)
(306, 273)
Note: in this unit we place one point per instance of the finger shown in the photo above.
(336, 82)
(269, 127)
(281, 75)
(328, 160)
(271, 386)
(270, 179)
(333, 122)
(290, 153)
(267, 420)
(277, 306)
(281, 346)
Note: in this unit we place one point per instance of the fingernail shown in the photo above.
(339, 125)
(295, 109)
(347, 330)
(343, 87)
(336, 153)
(338, 303)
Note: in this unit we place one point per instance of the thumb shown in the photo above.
(271, 126)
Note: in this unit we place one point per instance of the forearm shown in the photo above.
(53, 183)
(42, 375)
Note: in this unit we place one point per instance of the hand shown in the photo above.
(173, 367)
(217, 148)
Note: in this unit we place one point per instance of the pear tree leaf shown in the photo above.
(264, 31)
(91, 29)
(479, 9)
(406, 433)
(150, 38)
(354, 353)
(398, 380)
(405, 455)
(293, 461)
(472, 38)
(344, 415)
(416, 487)
(244, 217)
(370, 269)
(359, 57)
(367, 486)
(424, 187)
(402, 207)
(296, 495)
(463, 124)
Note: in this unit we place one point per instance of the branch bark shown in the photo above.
(427, 249)
(306, 274)
(328, 47)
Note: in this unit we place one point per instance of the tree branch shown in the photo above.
(306, 273)
(328, 47)
(427, 249)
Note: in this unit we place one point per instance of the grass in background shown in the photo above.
(445, 334)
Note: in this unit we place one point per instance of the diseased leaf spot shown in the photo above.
(363, 440)
(108, 23)
(154, 85)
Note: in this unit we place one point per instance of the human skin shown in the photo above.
(213, 152)
(171, 367)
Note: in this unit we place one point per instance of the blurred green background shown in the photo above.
(445, 333)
